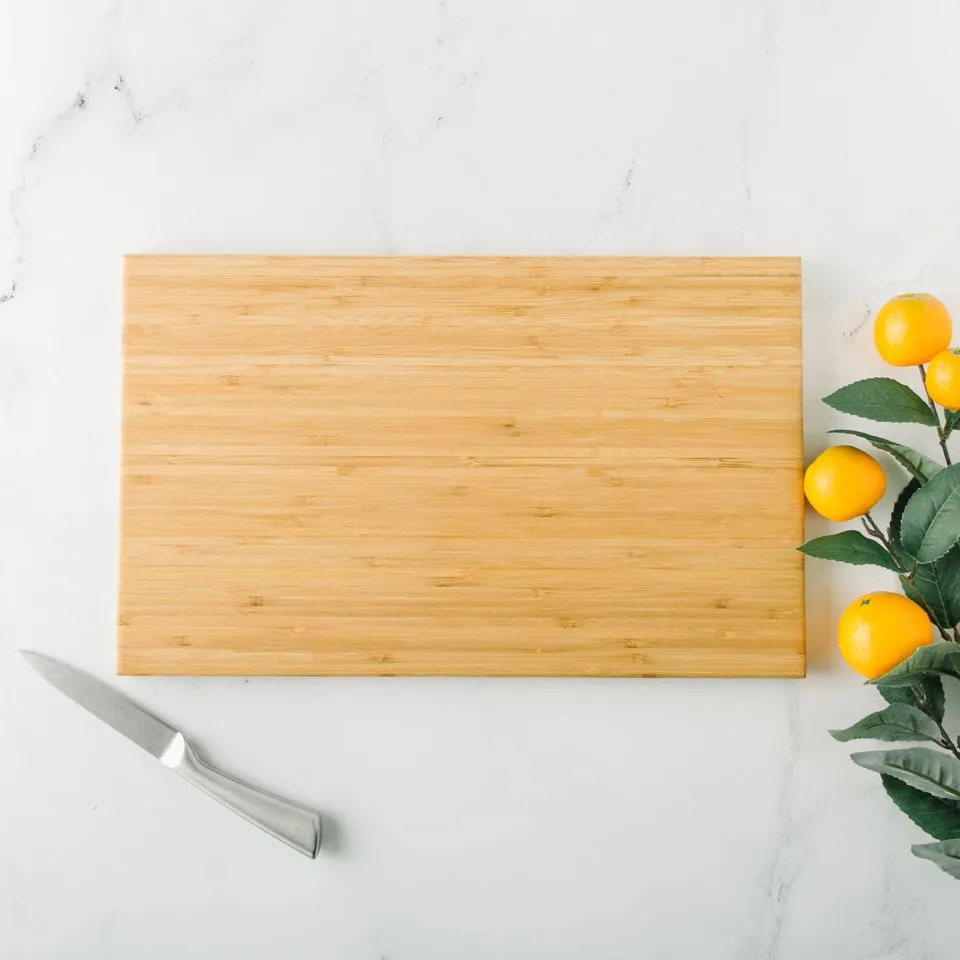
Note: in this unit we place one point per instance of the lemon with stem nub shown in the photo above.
(911, 329)
(879, 630)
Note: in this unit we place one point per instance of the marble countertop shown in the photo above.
(484, 818)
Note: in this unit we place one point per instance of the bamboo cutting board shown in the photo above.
(477, 466)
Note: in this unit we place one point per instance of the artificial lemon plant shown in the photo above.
(887, 637)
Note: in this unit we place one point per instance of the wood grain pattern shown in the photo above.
(474, 466)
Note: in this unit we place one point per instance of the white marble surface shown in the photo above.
(474, 819)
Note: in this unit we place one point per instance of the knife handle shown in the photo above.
(297, 826)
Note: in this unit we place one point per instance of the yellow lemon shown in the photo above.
(911, 329)
(843, 483)
(943, 379)
(879, 630)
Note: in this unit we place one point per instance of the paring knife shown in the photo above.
(297, 826)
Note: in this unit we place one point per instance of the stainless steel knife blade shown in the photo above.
(104, 702)
(297, 826)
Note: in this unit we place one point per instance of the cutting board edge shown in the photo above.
(755, 665)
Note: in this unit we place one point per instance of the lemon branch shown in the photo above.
(947, 742)
(871, 527)
(924, 701)
(950, 633)
(947, 632)
(941, 432)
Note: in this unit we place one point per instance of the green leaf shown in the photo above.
(939, 818)
(939, 659)
(924, 769)
(931, 700)
(946, 855)
(851, 546)
(952, 418)
(919, 466)
(896, 517)
(937, 586)
(930, 525)
(882, 398)
(899, 721)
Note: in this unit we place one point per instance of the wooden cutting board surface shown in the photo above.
(474, 466)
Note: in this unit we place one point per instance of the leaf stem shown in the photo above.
(947, 742)
(941, 433)
(870, 525)
(948, 633)
(925, 705)
(874, 531)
